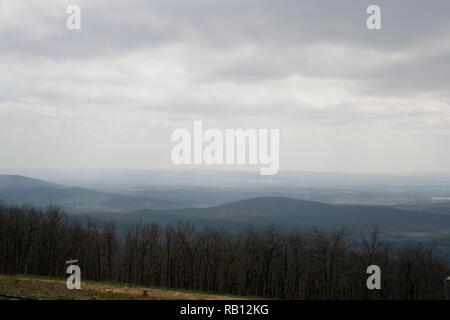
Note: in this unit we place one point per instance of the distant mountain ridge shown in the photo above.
(16, 189)
(286, 212)
(21, 182)
(290, 213)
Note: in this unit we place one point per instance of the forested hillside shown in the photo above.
(289, 212)
(266, 263)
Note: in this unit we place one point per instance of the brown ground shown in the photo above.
(56, 289)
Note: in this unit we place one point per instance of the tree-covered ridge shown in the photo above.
(266, 263)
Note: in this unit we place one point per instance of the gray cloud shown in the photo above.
(109, 94)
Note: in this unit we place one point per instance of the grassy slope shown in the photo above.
(54, 288)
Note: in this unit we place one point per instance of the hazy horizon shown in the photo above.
(227, 178)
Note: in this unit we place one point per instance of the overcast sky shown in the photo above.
(109, 95)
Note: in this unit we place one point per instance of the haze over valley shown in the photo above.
(406, 208)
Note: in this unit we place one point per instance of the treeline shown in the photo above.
(264, 263)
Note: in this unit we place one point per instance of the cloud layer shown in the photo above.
(345, 98)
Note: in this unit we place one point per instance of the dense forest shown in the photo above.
(255, 262)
